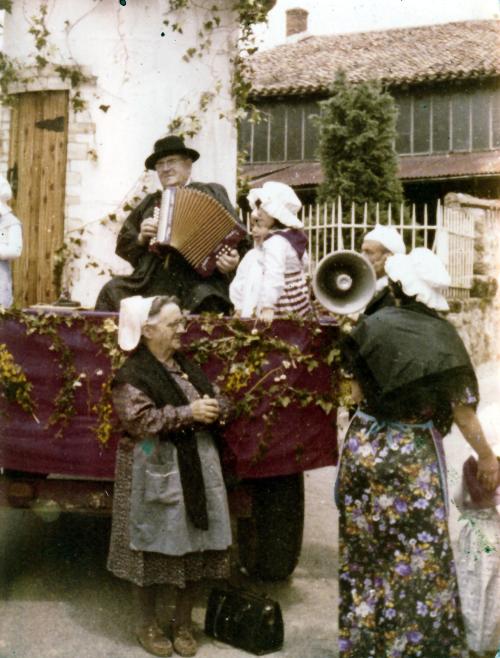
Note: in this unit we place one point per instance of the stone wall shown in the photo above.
(478, 318)
(478, 321)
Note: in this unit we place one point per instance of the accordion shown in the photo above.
(197, 226)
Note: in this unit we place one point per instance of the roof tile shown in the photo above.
(398, 56)
(442, 166)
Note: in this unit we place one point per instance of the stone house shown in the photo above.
(445, 82)
(93, 86)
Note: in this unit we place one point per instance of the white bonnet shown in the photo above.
(279, 201)
(134, 312)
(5, 195)
(388, 237)
(422, 275)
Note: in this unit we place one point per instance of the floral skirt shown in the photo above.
(398, 588)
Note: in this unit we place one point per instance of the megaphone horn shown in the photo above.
(344, 282)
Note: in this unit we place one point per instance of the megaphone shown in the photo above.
(344, 282)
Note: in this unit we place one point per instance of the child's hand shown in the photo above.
(266, 315)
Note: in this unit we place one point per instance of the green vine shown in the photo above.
(14, 385)
(13, 71)
(252, 365)
(64, 402)
(244, 356)
(249, 13)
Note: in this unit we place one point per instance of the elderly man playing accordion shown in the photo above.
(157, 274)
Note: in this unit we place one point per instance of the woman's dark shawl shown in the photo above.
(410, 362)
(143, 371)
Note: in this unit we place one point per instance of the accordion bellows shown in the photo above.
(197, 226)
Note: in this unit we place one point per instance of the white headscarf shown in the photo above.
(5, 195)
(388, 237)
(422, 275)
(134, 312)
(279, 201)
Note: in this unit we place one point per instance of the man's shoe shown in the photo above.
(153, 640)
(184, 642)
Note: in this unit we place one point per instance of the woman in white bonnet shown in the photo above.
(170, 523)
(271, 280)
(11, 242)
(412, 377)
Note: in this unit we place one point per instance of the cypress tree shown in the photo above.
(356, 145)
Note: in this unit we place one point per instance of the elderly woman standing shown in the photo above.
(412, 379)
(11, 242)
(170, 513)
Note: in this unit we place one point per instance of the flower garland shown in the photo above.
(252, 365)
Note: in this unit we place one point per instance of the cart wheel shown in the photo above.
(270, 541)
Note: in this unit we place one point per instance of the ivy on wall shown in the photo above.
(188, 124)
(13, 71)
(249, 13)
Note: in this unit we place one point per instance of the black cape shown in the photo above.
(143, 371)
(411, 363)
(154, 275)
(381, 299)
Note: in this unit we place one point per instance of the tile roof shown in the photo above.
(398, 56)
(411, 167)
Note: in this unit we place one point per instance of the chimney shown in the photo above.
(296, 21)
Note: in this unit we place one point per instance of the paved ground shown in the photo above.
(58, 601)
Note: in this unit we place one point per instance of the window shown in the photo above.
(261, 136)
(496, 119)
(311, 131)
(403, 125)
(277, 147)
(294, 132)
(422, 124)
(245, 139)
(460, 122)
(480, 107)
(437, 122)
(440, 123)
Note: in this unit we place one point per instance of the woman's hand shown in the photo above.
(356, 391)
(205, 410)
(487, 471)
(487, 463)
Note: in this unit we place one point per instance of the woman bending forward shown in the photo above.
(412, 378)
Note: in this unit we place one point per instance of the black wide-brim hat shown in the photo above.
(170, 145)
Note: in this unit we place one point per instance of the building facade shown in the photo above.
(445, 80)
(96, 84)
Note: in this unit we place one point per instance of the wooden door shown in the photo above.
(37, 171)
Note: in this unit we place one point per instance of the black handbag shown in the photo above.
(244, 620)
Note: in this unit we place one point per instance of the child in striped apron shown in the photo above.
(282, 257)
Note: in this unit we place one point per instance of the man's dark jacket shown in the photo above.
(158, 275)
